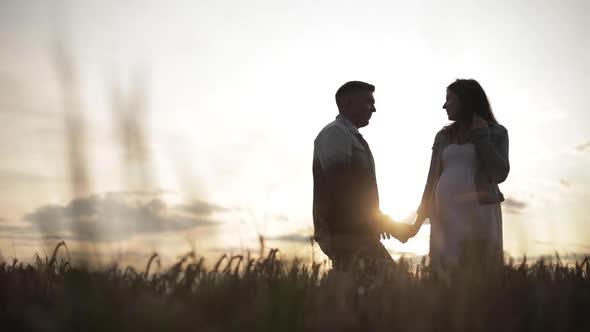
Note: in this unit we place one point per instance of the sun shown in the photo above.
(401, 209)
(400, 202)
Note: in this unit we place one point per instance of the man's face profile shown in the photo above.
(361, 106)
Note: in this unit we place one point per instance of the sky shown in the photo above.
(139, 126)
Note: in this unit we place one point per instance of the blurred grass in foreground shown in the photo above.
(242, 293)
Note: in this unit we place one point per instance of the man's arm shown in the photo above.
(349, 208)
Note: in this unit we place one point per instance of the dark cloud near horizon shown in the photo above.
(19, 176)
(111, 218)
(233, 250)
(138, 193)
(21, 233)
(201, 208)
(583, 147)
(295, 237)
(570, 244)
(27, 233)
(514, 206)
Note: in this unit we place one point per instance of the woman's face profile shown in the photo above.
(452, 105)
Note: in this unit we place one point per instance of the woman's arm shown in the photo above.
(425, 203)
(492, 154)
(424, 209)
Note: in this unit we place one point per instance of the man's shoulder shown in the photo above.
(334, 128)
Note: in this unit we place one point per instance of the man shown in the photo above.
(346, 215)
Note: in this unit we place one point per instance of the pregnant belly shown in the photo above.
(456, 186)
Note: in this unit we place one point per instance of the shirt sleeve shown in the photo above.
(334, 148)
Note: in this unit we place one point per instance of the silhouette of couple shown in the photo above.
(461, 197)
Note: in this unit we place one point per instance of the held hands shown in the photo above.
(401, 231)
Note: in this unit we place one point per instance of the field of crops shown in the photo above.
(240, 293)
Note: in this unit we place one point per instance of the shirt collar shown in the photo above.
(342, 119)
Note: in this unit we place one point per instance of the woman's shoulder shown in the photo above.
(442, 133)
(498, 128)
(441, 137)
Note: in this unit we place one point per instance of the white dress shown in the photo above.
(457, 214)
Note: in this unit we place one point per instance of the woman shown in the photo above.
(461, 197)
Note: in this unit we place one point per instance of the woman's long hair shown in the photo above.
(473, 100)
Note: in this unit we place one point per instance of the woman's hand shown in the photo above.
(478, 122)
(399, 231)
(415, 227)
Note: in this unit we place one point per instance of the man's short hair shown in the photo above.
(353, 87)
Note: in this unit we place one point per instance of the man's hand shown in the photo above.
(478, 122)
(385, 222)
(402, 232)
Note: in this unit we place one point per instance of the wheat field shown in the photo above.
(243, 293)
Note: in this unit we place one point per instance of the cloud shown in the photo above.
(7, 175)
(112, 218)
(295, 237)
(201, 208)
(233, 250)
(11, 228)
(514, 206)
(18, 232)
(583, 147)
(138, 193)
(583, 246)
